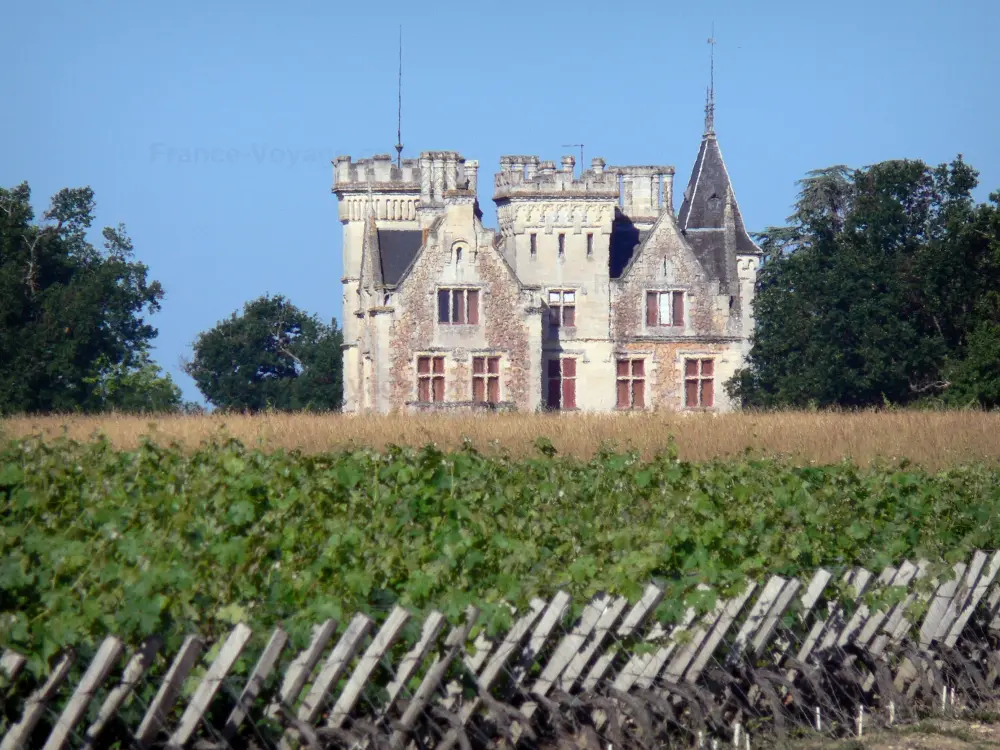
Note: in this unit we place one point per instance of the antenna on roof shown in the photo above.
(710, 94)
(576, 145)
(399, 103)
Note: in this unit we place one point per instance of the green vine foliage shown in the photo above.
(158, 540)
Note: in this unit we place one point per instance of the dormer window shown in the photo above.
(665, 309)
(458, 307)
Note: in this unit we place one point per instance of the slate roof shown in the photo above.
(625, 238)
(702, 218)
(397, 249)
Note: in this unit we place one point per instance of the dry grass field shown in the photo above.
(932, 440)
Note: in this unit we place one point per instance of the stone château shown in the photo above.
(592, 295)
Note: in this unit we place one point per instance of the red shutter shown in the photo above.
(678, 308)
(569, 315)
(474, 307)
(708, 367)
(458, 309)
(439, 365)
(569, 368)
(493, 387)
(651, 309)
(478, 391)
(691, 393)
(569, 393)
(708, 392)
(478, 365)
(623, 394)
(638, 394)
(638, 368)
(690, 367)
(439, 389)
(423, 365)
(494, 365)
(423, 390)
(622, 368)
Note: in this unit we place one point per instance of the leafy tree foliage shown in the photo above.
(272, 356)
(73, 332)
(883, 288)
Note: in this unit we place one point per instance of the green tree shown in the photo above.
(273, 355)
(139, 387)
(72, 316)
(882, 288)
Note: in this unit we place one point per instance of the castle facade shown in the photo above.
(592, 295)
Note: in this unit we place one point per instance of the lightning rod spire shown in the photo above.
(399, 103)
(710, 94)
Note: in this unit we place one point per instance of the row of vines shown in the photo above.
(161, 540)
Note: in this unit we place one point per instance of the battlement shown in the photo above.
(380, 171)
(435, 175)
(642, 191)
(530, 177)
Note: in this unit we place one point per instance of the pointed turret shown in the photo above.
(710, 217)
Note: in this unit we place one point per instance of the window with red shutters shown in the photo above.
(486, 379)
(458, 307)
(631, 376)
(699, 383)
(561, 392)
(430, 379)
(562, 309)
(665, 309)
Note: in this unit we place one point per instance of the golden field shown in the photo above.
(932, 440)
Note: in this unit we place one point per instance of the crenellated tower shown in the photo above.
(385, 210)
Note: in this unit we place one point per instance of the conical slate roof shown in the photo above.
(710, 217)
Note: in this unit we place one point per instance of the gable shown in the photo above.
(665, 240)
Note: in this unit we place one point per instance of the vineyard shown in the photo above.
(161, 540)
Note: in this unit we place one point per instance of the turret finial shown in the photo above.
(710, 95)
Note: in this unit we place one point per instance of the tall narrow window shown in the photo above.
(562, 244)
(533, 243)
(665, 309)
(458, 254)
(631, 384)
(590, 244)
(486, 379)
(430, 379)
(562, 308)
(699, 383)
(561, 384)
(458, 306)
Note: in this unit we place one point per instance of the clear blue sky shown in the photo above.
(114, 94)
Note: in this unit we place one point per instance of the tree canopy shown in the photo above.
(884, 287)
(73, 328)
(271, 356)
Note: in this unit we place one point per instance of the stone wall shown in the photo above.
(504, 323)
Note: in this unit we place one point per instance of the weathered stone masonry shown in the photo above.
(593, 295)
